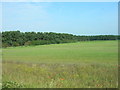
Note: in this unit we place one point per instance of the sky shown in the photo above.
(79, 18)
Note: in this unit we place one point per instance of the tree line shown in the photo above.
(17, 38)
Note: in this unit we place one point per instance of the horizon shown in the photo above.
(77, 18)
(66, 33)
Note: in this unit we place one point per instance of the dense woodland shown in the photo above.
(17, 38)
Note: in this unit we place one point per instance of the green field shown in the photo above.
(86, 64)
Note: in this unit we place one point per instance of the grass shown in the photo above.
(89, 64)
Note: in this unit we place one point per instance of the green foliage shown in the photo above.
(17, 38)
(40, 42)
(11, 84)
(27, 43)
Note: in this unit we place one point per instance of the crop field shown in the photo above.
(86, 64)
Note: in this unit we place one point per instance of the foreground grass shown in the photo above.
(75, 65)
(61, 75)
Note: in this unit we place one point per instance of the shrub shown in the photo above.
(27, 43)
(11, 84)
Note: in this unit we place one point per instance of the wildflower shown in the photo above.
(62, 79)
(49, 77)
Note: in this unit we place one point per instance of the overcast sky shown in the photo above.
(80, 18)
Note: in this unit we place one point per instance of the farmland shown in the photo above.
(85, 64)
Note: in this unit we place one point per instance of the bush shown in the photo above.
(15, 44)
(11, 84)
(41, 42)
(4, 45)
(27, 43)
